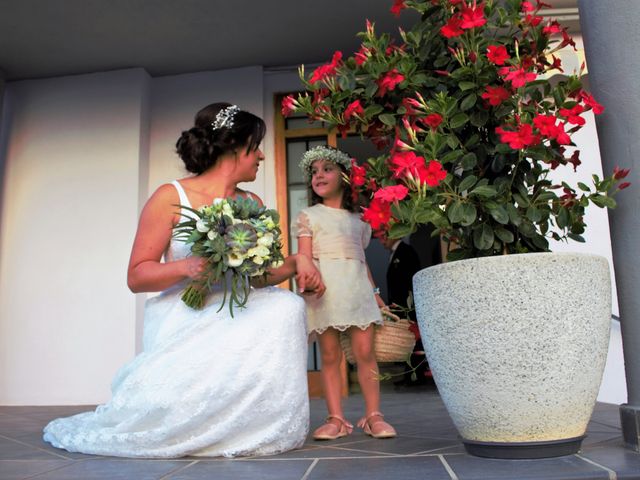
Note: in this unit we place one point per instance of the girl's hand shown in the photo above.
(308, 277)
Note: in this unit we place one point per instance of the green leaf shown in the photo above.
(466, 86)
(583, 187)
(503, 234)
(467, 183)
(484, 191)
(468, 161)
(388, 119)
(534, 214)
(603, 201)
(469, 214)
(577, 238)
(483, 237)
(500, 215)
(399, 230)
(540, 242)
(452, 156)
(479, 118)
(468, 102)
(563, 218)
(373, 110)
(455, 212)
(458, 120)
(372, 88)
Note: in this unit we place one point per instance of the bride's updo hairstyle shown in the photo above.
(219, 128)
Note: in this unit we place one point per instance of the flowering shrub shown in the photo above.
(473, 123)
(236, 236)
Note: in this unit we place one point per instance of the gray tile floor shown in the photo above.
(427, 448)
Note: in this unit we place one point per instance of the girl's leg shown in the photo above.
(362, 347)
(331, 353)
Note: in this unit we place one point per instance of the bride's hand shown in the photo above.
(194, 267)
(308, 277)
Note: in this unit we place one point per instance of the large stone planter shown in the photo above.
(517, 345)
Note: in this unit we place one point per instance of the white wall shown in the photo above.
(68, 218)
(175, 101)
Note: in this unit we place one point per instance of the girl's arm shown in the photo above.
(308, 276)
(146, 273)
(379, 300)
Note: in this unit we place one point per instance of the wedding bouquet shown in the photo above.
(236, 235)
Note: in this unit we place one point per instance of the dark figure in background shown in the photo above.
(403, 264)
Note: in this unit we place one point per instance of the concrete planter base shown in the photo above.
(517, 345)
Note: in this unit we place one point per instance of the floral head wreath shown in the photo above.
(224, 118)
(324, 153)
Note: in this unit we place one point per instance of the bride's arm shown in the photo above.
(146, 272)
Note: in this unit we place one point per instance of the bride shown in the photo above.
(206, 383)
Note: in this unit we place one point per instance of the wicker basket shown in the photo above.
(393, 342)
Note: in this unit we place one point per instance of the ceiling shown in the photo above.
(48, 38)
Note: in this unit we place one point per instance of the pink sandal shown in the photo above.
(379, 429)
(331, 431)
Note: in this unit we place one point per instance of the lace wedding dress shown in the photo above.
(206, 384)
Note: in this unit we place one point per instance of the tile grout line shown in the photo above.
(179, 469)
(308, 472)
(37, 448)
(448, 468)
(72, 462)
(612, 474)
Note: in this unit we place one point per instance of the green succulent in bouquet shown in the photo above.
(473, 123)
(235, 235)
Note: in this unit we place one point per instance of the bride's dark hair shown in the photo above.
(201, 146)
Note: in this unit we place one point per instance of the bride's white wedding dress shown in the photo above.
(206, 384)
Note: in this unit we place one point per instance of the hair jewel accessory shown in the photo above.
(324, 153)
(224, 118)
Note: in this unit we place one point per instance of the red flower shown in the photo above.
(413, 328)
(533, 20)
(552, 28)
(473, 16)
(398, 6)
(575, 160)
(358, 174)
(518, 77)
(362, 55)
(573, 115)
(406, 164)
(452, 28)
(495, 95)
(519, 139)
(324, 71)
(388, 82)
(497, 54)
(561, 136)
(624, 185)
(432, 120)
(434, 174)
(568, 199)
(391, 193)
(354, 108)
(546, 125)
(620, 173)
(566, 40)
(527, 7)
(591, 102)
(378, 214)
(288, 105)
